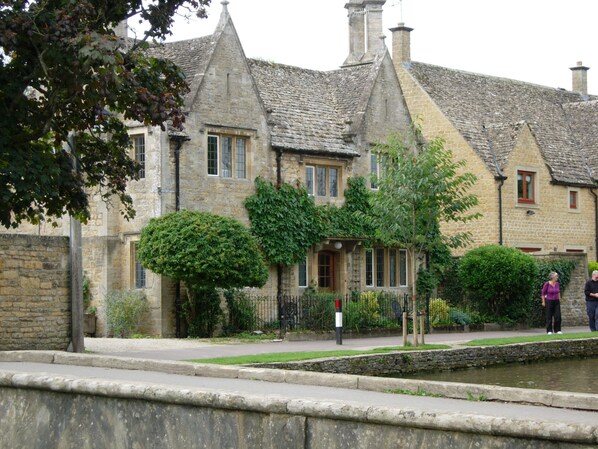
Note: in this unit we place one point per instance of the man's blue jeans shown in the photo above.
(592, 309)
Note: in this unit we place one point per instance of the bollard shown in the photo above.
(404, 328)
(338, 305)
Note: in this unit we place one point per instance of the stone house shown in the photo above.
(532, 148)
(247, 118)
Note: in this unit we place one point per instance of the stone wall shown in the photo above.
(414, 361)
(573, 303)
(34, 292)
(79, 413)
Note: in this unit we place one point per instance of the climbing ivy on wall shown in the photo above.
(286, 220)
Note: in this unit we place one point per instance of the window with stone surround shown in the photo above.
(227, 156)
(374, 171)
(139, 147)
(386, 267)
(302, 273)
(526, 187)
(322, 180)
(573, 200)
(137, 271)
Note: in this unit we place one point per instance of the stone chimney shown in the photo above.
(401, 43)
(580, 78)
(365, 30)
(122, 29)
(373, 27)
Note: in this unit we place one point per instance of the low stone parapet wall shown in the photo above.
(44, 410)
(445, 359)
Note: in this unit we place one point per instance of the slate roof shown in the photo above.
(191, 55)
(490, 111)
(308, 109)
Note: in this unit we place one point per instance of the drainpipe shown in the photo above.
(279, 268)
(502, 182)
(177, 206)
(595, 221)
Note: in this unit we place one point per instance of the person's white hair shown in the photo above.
(553, 275)
(594, 272)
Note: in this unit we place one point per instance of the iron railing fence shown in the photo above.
(361, 310)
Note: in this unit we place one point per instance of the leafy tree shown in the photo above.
(64, 72)
(206, 252)
(420, 186)
(501, 280)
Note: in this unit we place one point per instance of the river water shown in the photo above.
(575, 375)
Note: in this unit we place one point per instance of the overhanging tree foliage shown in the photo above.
(206, 252)
(63, 71)
(419, 187)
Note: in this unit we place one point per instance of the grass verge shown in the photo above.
(307, 355)
(530, 339)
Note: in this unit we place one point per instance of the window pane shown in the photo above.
(379, 267)
(227, 157)
(520, 191)
(369, 268)
(403, 268)
(324, 271)
(373, 170)
(529, 186)
(392, 267)
(573, 199)
(303, 273)
(240, 171)
(309, 180)
(333, 174)
(139, 272)
(139, 143)
(321, 181)
(212, 155)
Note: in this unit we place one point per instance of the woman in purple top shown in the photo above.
(551, 300)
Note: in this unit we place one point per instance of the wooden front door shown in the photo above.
(326, 278)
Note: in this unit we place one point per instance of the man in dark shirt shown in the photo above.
(591, 291)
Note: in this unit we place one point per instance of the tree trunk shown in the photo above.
(414, 300)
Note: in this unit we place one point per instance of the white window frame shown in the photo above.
(233, 169)
(313, 173)
(401, 267)
(306, 274)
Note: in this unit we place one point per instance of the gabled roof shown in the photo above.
(309, 109)
(192, 56)
(489, 112)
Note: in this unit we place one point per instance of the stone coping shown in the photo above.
(569, 433)
(548, 398)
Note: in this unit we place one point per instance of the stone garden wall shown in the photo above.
(34, 292)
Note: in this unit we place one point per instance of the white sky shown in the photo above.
(529, 40)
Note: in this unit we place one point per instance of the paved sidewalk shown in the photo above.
(186, 349)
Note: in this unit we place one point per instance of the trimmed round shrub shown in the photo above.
(500, 280)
